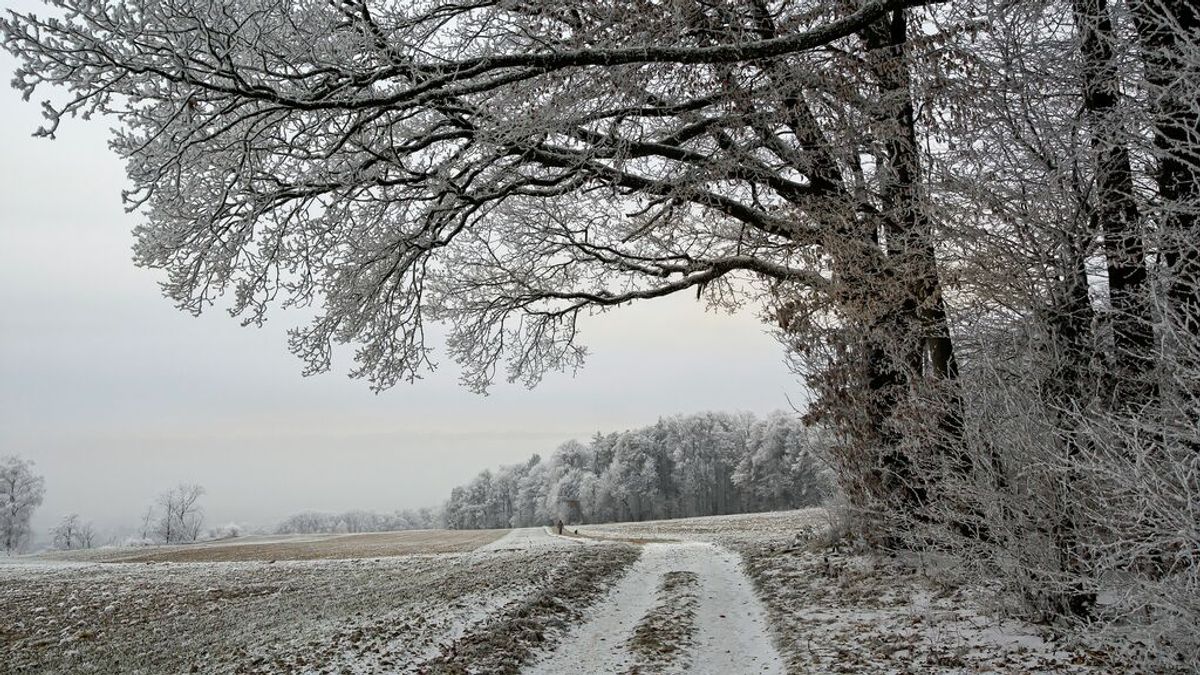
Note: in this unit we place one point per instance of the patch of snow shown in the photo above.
(731, 626)
(526, 539)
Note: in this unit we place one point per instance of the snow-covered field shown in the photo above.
(738, 594)
(410, 613)
(293, 547)
(729, 531)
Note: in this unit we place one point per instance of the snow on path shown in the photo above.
(731, 622)
(528, 538)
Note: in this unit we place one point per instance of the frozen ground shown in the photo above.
(438, 613)
(858, 614)
(728, 531)
(294, 547)
(741, 594)
(832, 612)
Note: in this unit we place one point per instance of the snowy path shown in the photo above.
(529, 538)
(731, 626)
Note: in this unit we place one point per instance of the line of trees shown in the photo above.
(175, 517)
(696, 465)
(309, 522)
(975, 225)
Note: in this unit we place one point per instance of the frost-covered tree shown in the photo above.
(502, 167)
(66, 532)
(532, 484)
(176, 516)
(72, 533)
(783, 464)
(1064, 212)
(21, 492)
(307, 522)
(692, 465)
(506, 168)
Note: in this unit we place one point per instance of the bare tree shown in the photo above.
(178, 515)
(66, 533)
(146, 528)
(1114, 206)
(87, 536)
(21, 492)
(73, 533)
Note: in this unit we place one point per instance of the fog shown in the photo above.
(116, 395)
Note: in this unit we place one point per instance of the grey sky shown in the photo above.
(117, 395)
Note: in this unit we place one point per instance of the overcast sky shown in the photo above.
(116, 395)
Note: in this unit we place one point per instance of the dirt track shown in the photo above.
(714, 626)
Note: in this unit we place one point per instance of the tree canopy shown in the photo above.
(499, 166)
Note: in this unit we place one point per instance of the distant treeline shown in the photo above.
(695, 465)
(309, 522)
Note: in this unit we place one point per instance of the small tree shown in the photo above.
(87, 536)
(21, 492)
(147, 525)
(71, 533)
(177, 515)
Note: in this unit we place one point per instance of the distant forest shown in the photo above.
(694, 465)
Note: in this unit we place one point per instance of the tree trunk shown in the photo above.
(922, 317)
(893, 298)
(1169, 32)
(1066, 391)
(1114, 211)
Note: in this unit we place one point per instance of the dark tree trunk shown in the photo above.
(910, 240)
(1169, 32)
(909, 231)
(1115, 211)
(1067, 390)
(893, 297)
